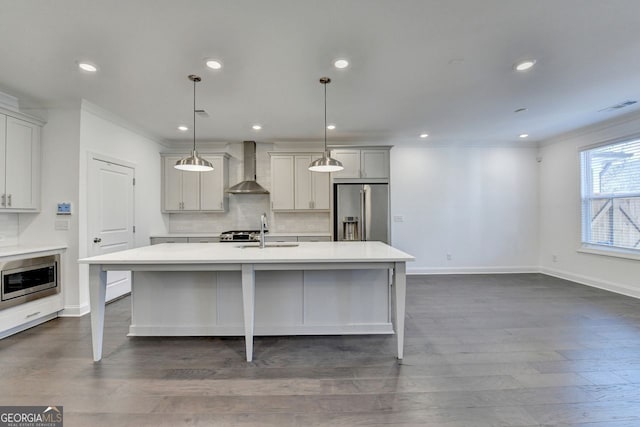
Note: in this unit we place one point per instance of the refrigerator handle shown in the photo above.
(366, 213)
(362, 213)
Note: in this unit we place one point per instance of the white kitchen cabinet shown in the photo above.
(195, 191)
(369, 163)
(294, 187)
(282, 182)
(158, 240)
(213, 185)
(314, 238)
(20, 164)
(311, 188)
(350, 160)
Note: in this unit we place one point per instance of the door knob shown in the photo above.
(97, 240)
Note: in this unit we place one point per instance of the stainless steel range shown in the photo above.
(240, 236)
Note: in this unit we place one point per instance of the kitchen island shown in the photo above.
(293, 289)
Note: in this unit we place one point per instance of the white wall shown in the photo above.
(476, 202)
(60, 143)
(103, 133)
(9, 229)
(559, 212)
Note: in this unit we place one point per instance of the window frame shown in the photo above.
(586, 185)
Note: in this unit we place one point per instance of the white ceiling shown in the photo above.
(437, 66)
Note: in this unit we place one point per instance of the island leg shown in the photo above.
(248, 305)
(400, 284)
(97, 292)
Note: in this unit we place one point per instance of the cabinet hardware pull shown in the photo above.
(4, 200)
(97, 240)
(9, 199)
(32, 314)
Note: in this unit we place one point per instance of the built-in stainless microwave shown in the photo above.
(28, 279)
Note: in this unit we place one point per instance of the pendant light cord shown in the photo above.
(325, 117)
(194, 115)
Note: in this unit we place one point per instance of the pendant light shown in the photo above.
(325, 163)
(194, 163)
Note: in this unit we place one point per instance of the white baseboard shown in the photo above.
(272, 330)
(27, 325)
(590, 281)
(473, 270)
(75, 310)
(117, 289)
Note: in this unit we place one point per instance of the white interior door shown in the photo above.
(110, 217)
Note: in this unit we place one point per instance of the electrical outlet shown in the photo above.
(449, 257)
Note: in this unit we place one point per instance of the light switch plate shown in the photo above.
(62, 224)
(64, 208)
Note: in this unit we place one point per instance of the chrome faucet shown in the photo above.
(263, 228)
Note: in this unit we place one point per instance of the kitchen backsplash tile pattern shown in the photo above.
(244, 214)
(9, 229)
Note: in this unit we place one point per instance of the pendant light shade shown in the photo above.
(194, 163)
(325, 163)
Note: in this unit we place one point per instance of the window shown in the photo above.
(611, 196)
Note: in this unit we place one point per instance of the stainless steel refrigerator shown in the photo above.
(361, 212)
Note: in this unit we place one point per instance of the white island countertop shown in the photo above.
(214, 253)
(247, 258)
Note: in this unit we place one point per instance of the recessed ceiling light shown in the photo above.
(183, 128)
(524, 135)
(256, 127)
(524, 65)
(86, 66)
(331, 127)
(424, 135)
(214, 64)
(341, 63)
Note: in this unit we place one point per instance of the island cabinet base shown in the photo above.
(298, 302)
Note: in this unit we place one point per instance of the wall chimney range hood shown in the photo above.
(249, 185)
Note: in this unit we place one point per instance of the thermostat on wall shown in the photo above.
(64, 208)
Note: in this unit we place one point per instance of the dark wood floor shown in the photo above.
(490, 350)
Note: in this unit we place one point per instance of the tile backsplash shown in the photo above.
(244, 214)
(9, 229)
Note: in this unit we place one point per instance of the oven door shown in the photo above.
(24, 277)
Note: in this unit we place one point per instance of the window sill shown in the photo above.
(610, 252)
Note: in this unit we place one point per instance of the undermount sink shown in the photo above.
(268, 245)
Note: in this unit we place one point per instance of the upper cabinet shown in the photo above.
(20, 164)
(294, 187)
(366, 163)
(195, 191)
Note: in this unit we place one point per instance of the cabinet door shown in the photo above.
(159, 240)
(303, 183)
(374, 164)
(22, 164)
(172, 185)
(282, 188)
(320, 189)
(190, 191)
(350, 159)
(212, 186)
